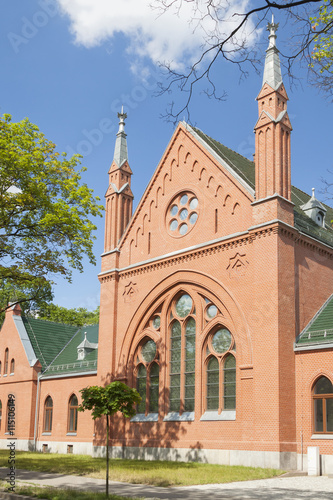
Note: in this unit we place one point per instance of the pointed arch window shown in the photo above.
(48, 414)
(5, 370)
(72, 414)
(220, 371)
(12, 366)
(323, 406)
(182, 355)
(0, 414)
(147, 374)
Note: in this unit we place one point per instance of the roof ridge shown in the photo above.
(33, 333)
(314, 317)
(219, 142)
(53, 322)
(225, 157)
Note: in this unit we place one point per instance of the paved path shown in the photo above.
(282, 488)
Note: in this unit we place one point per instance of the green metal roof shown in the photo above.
(47, 338)
(66, 362)
(246, 170)
(320, 329)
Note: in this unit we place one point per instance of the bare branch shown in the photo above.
(231, 49)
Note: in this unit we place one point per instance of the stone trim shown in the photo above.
(186, 416)
(322, 436)
(226, 415)
(141, 417)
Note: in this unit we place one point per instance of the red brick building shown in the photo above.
(216, 303)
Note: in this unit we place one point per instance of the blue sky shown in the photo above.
(70, 65)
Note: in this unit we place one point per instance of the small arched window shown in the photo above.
(323, 406)
(12, 366)
(48, 414)
(0, 413)
(72, 413)
(5, 371)
(0, 367)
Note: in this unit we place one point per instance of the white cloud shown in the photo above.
(169, 37)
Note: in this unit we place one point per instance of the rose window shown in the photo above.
(182, 214)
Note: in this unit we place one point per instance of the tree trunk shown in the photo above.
(107, 457)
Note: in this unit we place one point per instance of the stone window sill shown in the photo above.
(186, 416)
(46, 434)
(214, 415)
(322, 436)
(71, 434)
(141, 417)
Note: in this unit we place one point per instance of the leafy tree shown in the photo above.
(322, 55)
(77, 317)
(228, 29)
(107, 401)
(45, 213)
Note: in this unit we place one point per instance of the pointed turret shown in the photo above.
(272, 150)
(119, 197)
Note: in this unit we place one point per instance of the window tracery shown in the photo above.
(184, 322)
(147, 376)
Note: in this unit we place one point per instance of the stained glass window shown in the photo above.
(213, 384)
(229, 382)
(141, 383)
(182, 356)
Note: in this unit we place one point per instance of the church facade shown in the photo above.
(216, 304)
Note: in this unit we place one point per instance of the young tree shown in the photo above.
(107, 401)
(231, 32)
(45, 213)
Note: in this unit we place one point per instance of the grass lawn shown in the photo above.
(60, 494)
(157, 473)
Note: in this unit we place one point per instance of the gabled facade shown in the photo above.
(212, 293)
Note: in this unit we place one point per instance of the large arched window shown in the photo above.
(72, 414)
(323, 406)
(5, 368)
(48, 414)
(147, 376)
(182, 328)
(220, 370)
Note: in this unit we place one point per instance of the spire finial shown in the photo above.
(272, 28)
(122, 117)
